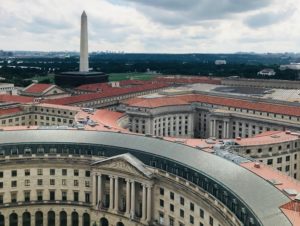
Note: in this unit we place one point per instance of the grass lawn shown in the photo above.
(41, 78)
(125, 76)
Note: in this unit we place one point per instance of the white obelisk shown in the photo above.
(84, 51)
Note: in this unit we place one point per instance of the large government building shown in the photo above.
(71, 177)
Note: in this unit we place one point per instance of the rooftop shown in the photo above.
(37, 88)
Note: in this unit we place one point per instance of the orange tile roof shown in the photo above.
(269, 173)
(94, 87)
(266, 138)
(155, 102)
(111, 92)
(15, 98)
(228, 102)
(8, 111)
(37, 88)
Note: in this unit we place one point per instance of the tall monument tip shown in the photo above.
(83, 13)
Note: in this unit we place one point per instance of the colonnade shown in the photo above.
(131, 200)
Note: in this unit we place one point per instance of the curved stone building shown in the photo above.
(78, 177)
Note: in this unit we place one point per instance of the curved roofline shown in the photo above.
(238, 180)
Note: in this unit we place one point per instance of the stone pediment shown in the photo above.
(125, 163)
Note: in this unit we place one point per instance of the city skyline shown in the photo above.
(152, 27)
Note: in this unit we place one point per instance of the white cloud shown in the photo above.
(152, 26)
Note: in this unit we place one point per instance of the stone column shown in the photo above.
(100, 192)
(211, 126)
(215, 128)
(228, 130)
(94, 184)
(148, 218)
(144, 203)
(127, 196)
(132, 203)
(224, 130)
(111, 192)
(116, 193)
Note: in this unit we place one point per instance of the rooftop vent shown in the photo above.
(290, 191)
(275, 182)
(257, 165)
(275, 136)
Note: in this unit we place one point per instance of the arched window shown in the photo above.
(120, 224)
(62, 218)
(2, 220)
(103, 221)
(39, 218)
(13, 219)
(26, 218)
(86, 220)
(51, 218)
(75, 219)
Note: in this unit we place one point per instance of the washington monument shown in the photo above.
(70, 79)
(84, 51)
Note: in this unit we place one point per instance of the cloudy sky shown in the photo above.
(168, 26)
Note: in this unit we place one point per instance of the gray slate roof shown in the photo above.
(263, 198)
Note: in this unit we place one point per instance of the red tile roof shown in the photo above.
(37, 88)
(15, 98)
(8, 111)
(94, 87)
(223, 101)
(158, 102)
(111, 92)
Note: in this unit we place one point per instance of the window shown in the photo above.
(87, 197)
(171, 207)
(40, 195)
(52, 172)
(14, 184)
(87, 184)
(201, 213)
(181, 213)
(52, 181)
(171, 221)
(192, 206)
(76, 172)
(287, 168)
(40, 182)
(1, 199)
(27, 172)
(171, 195)
(75, 183)
(27, 196)
(287, 158)
(14, 173)
(1, 174)
(161, 191)
(64, 182)
(27, 183)
(87, 173)
(13, 197)
(64, 196)
(52, 195)
(161, 203)
(191, 219)
(1, 184)
(211, 221)
(76, 196)
(64, 172)
(270, 161)
(279, 160)
(182, 201)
